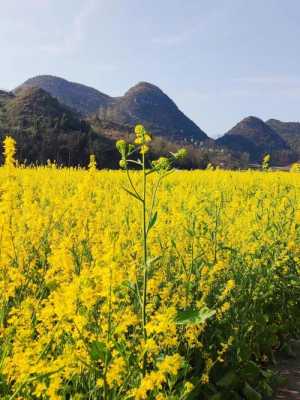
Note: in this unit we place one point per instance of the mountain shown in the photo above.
(77, 120)
(255, 137)
(147, 104)
(45, 129)
(289, 131)
(33, 105)
(84, 99)
(5, 97)
(144, 103)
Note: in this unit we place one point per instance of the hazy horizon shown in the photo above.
(219, 63)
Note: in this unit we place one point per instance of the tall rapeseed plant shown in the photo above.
(9, 151)
(163, 167)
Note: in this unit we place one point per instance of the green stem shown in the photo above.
(132, 185)
(154, 196)
(108, 336)
(145, 277)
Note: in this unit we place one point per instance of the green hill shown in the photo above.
(255, 137)
(45, 129)
(289, 131)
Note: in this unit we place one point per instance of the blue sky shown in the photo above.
(219, 60)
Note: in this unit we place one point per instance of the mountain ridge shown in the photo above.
(254, 136)
(82, 98)
(289, 131)
(45, 129)
(146, 103)
(143, 103)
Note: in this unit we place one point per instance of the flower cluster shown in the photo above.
(141, 145)
(9, 151)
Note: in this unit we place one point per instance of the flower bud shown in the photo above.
(181, 154)
(121, 146)
(123, 163)
(162, 164)
(139, 130)
(144, 149)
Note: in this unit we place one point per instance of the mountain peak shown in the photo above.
(31, 103)
(34, 98)
(252, 121)
(143, 103)
(251, 118)
(84, 99)
(254, 136)
(274, 120)
(250, 126)
(289, 131)
(143, 86)
(147, 104)
(46, 129)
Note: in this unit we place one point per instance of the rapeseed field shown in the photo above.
(86, 314)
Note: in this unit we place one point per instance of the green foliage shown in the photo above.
(266, 162)
(98, 351)
(193, 317)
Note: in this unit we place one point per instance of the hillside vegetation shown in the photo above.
(45, 130)
(257, 138)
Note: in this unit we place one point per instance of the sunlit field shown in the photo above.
(222, 285)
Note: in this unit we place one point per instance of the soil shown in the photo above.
(289, 368)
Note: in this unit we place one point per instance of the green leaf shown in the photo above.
(193, 317)
(131, 148)
(132, 194)
(250, 393)
(99, 351)
(228, 380)
(251, 370)
(233, 395)
(267, 389)
(216, 396)
(152, 221)
(152, 260)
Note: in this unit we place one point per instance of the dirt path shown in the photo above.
(289, 368)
